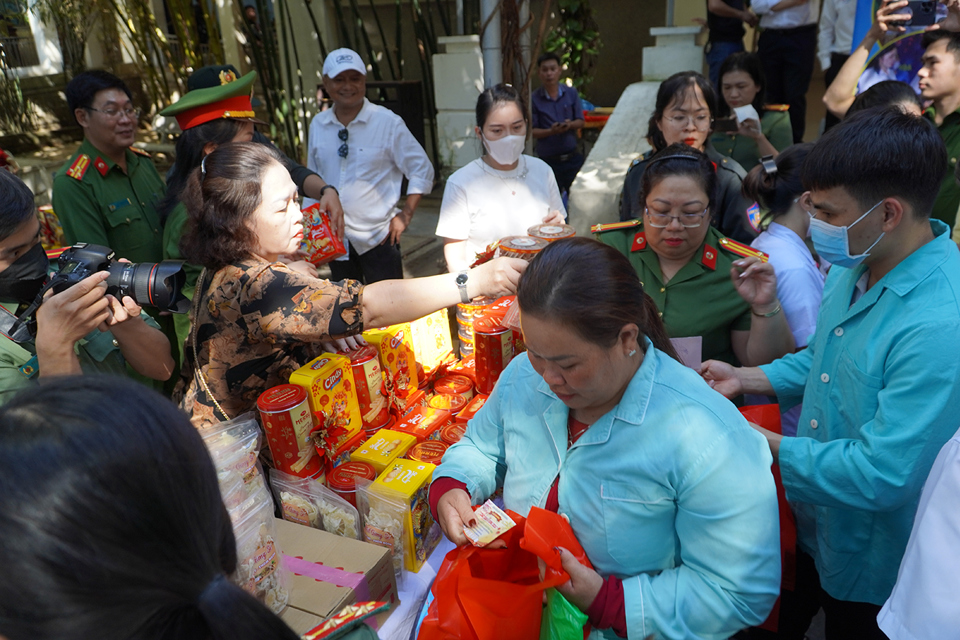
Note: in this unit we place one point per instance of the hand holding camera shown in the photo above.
(66, 317)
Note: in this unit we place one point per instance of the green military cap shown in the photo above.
(228, 100)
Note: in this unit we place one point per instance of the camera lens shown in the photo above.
(157, 284)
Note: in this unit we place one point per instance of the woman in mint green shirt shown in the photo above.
(665, 485)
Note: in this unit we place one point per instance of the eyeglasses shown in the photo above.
(688, 220)
(701, 121)
(344, 149)
(113, 114)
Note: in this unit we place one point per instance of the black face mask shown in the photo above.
(23, 279)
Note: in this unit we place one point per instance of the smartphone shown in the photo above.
(923, 13)
(726, 125)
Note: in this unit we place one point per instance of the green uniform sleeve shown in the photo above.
(12, 357)
(78, 211)
(619, 240)
(780, 134)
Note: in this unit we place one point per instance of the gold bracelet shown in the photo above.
(769, 314)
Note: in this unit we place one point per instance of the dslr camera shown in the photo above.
(157, 284)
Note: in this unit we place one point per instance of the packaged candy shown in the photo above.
(343, 479)
(288, 423)
(395, 346)
(424, 423)
(332, 395)
(383, 448)
(234, 446)
(383, 521)
(409, 481)
(260, 571)
(491, 523)
(320, 243)
(307, 502)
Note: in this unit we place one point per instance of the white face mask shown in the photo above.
(505, 150)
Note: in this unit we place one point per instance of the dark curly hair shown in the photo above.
(220, 197)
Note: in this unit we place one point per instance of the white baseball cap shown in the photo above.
(341, 60)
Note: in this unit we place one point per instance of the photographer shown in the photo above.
(68, 341)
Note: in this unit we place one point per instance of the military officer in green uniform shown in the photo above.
(704, 283)
(107, 192)
(69, 339)
(685, 108)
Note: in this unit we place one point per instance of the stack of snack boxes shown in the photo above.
(412, 356)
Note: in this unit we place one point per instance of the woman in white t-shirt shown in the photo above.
(503, 192)
(777, 188)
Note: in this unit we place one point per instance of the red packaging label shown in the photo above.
(320, 243)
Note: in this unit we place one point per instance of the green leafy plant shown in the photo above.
(577, 40)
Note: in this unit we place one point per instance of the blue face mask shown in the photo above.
(833, 244)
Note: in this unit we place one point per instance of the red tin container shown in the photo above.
(494, 350)
(287, 421)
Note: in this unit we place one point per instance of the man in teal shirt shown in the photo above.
(880, 379)
(81, 329)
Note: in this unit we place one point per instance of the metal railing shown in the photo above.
(19, 52)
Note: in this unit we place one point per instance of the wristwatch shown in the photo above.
(329, 186)
(462, 284)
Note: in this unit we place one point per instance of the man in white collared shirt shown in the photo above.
(787, 48)
(364, 151)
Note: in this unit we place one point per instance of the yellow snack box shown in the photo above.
(410, 480)
(431, 340)
(332, 395)
(397, 357)
(383, 448)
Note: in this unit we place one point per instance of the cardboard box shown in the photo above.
(383, 448)
(397, 358)
(328, 556)
(410, 481)
(332, 395)
(424, 423)
(431, 340)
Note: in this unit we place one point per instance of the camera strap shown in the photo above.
(17, 329)
(198, 374)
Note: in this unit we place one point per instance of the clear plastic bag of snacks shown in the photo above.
(383, 517)
(234, 445)
(260, 569)
(307, 502)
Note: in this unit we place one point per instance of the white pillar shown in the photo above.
(490, 45)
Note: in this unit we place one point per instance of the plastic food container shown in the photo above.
(551, 232)
(523, 247)
(343, 479)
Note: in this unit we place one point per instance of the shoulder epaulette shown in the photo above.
(640, 158)
(776, 107)
(53, 254)
(79, 167)
(139, 152)
(743, 250)
(610, 226)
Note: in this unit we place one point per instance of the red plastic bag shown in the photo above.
(545, 530)
(768, 417)
(488, 594)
